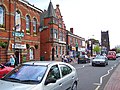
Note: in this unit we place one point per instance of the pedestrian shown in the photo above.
(11, 62)
(65, 59)
(62, 57)
(16, 60)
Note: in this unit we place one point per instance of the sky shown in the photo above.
(88, 17)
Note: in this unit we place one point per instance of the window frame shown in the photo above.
(55, 66)
(34, 26)
(67, 73)
(2, 22)
(28, 23)
(18, 20)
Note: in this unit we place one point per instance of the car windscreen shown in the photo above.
(99, 57)
(27, 74)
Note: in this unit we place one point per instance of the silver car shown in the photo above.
(41, 75)
(100, 60)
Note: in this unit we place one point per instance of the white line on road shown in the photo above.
(80, 67)
(83, 66)
(101, 78)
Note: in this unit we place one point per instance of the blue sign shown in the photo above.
(18, 34)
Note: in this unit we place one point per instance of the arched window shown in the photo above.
(34, 26)
(27, 24)
(2, 17)
(18, 21)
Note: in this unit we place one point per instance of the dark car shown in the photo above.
(4, 70)
(100, 60)
(83, 59)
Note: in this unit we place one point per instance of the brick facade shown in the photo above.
(6, 33)
(50, 43)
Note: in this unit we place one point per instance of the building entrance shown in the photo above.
(17, 57)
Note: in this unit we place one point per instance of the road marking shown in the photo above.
(80, 67)
(97, 84)
(101, 78)
(83, 66)
(97, 88)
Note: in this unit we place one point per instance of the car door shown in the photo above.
(67, 77)
(54, 72)
(3, 71)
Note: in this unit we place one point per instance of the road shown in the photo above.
(94, 78)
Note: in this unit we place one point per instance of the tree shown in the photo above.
(97, 49)
(117, 50)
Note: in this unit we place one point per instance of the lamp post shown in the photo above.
(14, 23)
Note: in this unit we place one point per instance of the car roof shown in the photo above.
(45, 63)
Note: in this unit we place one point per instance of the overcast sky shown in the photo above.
(89, 17)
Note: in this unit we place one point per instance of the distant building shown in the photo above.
(75, 44)
(91, 44)
(105, 46)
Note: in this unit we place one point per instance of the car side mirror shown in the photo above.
(50, 80)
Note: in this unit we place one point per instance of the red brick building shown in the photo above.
(75, 43)
(20, 23)
(53, 33)
(19, 30)
(55, 39)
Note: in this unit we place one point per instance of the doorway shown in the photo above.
(17, 57)
(53, 51)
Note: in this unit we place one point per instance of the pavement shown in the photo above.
(114, 81)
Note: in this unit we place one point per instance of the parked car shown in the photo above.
(4, 70)
(41, 75)
(100, 60)
(83, 59)
(111, 55)
(117, 55)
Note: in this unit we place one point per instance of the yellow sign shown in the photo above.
(73, 48)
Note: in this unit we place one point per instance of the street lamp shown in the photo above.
(14, 23)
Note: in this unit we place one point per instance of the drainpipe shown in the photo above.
(9, 32)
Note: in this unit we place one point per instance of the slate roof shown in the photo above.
(51, 11)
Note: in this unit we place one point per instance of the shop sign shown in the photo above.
(19, 46)
(18, 34)
(74, 48)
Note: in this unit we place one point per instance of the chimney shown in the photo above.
(71, 30)
(44, 10)
(57, 5)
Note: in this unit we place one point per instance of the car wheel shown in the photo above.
(104, 64)
(74, 86)
(93, 64)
